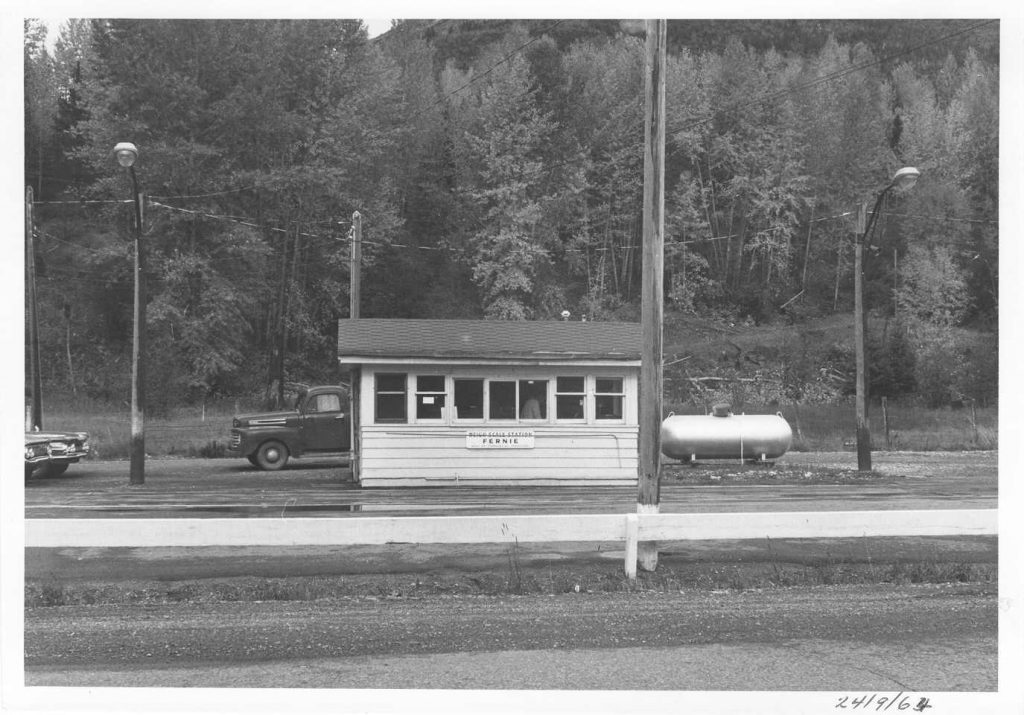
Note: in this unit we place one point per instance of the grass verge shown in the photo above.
(516, 579)
(204, 431)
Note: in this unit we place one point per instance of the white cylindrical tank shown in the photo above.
(723, 435)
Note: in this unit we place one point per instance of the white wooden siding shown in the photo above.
(422, 456)
(434, 452)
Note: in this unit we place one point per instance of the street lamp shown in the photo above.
(902, 179)
(126, 154)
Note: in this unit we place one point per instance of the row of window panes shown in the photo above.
(507, 400)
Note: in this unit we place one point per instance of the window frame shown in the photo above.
(377, 393)
(584, 394)
(454, 417)
(411, 394)
(418, 393)
(488, 384)
(545, 407)
(620, 394)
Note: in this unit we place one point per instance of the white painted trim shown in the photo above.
(300, 531)
(630, 528)
(346, 360)
(817, 524)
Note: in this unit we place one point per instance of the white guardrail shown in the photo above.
(628, 528)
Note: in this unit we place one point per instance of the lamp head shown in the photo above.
(126, 154)
(905, 178)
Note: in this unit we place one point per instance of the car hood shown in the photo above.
(57, 436)
(265, 419)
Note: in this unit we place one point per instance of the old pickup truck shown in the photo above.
(319, 424)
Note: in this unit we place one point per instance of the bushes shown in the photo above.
(954, 367)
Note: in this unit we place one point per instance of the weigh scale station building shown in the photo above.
(472, 402)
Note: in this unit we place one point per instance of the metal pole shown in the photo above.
(137, 462)
(650, 408)
(35, 421)
(355, 265)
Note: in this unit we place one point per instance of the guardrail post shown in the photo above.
(632, 542)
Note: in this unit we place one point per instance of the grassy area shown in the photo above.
(203, 431)
(516, 579)
(900, 427)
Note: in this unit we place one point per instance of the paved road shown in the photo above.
(877, 639)
(231, 488)
(855, 638)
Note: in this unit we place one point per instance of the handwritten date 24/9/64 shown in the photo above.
(882, 703)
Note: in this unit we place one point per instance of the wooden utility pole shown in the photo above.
(355, 265)
(35, 420)
(355, 389)
(863, 429)
(652, 287)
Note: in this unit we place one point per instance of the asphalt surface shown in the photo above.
(909, 638)
(232, 488)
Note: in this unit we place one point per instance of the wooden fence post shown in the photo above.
(632, 542)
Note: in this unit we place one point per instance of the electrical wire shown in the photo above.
(497, 64)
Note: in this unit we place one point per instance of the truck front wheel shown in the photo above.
(272, 455)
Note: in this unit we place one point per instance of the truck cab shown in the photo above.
(319, 424)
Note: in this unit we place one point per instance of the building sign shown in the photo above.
(499, 439)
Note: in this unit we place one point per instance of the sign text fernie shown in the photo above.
(499, 439)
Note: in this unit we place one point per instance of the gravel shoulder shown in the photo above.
(136, 645)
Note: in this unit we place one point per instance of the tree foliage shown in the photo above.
(497, 167)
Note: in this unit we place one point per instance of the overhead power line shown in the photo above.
(500, 62)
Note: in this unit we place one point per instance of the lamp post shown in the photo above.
(126, 154)
(902, 179)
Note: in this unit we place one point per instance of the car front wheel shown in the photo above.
(272, 455)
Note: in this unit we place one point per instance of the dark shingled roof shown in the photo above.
(462, 339)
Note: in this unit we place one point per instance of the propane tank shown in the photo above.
(723, 435)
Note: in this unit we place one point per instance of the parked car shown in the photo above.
(319, 424)
(48, 454)
(37, 453)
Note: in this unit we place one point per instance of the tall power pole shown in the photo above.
(649, 467)
(35, 420)
(355, 389)
(355, 261)
(860, 354)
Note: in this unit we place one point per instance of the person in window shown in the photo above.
(531, 409)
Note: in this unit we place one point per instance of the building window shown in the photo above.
(608, 396)
(533, 399)
(502, 394)
(390, 397)
(570, 393)
(430, 397)
(469, 399)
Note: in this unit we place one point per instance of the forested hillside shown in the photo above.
(497, 167)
